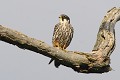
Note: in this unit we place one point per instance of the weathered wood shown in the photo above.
(96, 61)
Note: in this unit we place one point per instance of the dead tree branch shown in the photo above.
(96, 61)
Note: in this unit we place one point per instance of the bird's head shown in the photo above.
(64, 18)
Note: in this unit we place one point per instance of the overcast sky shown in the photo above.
(36, 18)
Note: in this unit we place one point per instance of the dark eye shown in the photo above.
(65, 16)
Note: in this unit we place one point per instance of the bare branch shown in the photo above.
(96, 61)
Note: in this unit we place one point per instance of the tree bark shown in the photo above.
(96, 61)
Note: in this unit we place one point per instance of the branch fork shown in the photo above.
(97, 61)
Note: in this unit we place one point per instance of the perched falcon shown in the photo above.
(62, 35)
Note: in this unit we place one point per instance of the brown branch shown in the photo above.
(96, 61)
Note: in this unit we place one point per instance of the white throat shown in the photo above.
(64, 21)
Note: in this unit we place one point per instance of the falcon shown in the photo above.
(62, 35)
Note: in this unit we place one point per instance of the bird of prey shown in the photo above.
(62, 35)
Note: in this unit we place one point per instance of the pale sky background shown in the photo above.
(36, 18)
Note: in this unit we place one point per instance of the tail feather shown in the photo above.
(56, 63)
(51, 61)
